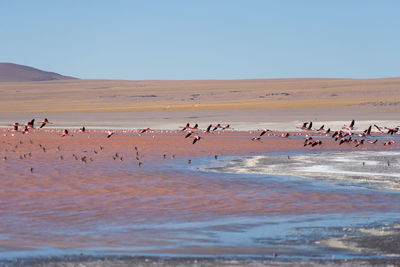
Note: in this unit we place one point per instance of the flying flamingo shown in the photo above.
(349, 127)
(31, 123)
(188, 134)
(109, 134)
(366, 132)
(285, 135)
(388, 143)
(379, 128)
(217, 126)
(44, 122)
(26, 129)
(186, 127)
(328, 131)
(360, 142)
(145, 130)
(303, 126)
(391, 131)
(316, 142)
(264, 131)
(65, 133)
(196, 138)
(16, 125)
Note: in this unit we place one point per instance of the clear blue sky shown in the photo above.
(203, 39)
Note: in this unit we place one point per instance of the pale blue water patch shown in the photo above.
(367, 169)
(299, 235)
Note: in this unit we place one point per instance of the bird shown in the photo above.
(368, 131)
(226, 127)
(15, 126)
(337, 133)
(110, 134)
(360, 142)
(392, 131)
(317, 142)
(303, 126)
(264, 131)
(145, 130)
(31, 123)
(350, 126)
(83, 129)
(208, 128)
(195, 127)
(373, 142)
(388, 143)
(44, 122)
(256, 139)
(26, 129)
(196, 138)
(379, 128)
(216, 127)
(328, 131)
(285, 135)
(344, 140)
(65, 132)
(308, 140)
(320, 128)
(187, 126)
(188, 134)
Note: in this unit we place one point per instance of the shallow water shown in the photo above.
(238, 206)
(375, 170)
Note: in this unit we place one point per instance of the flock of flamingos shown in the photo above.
(347, 134)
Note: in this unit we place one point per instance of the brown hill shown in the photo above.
(10, 72)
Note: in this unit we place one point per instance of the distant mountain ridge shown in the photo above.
(10, 72)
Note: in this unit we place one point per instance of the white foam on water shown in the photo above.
(376, 169)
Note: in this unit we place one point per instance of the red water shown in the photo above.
(113, 203)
